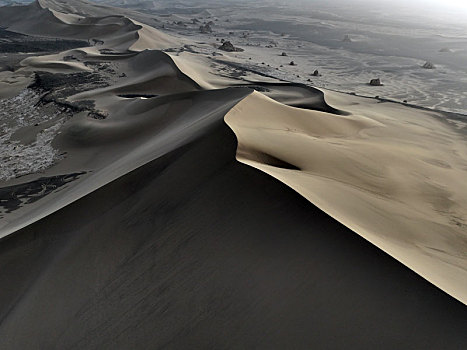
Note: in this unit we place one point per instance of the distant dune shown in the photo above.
(189, 208)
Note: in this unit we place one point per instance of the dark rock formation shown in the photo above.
(205, 29)
(284, 54)
(292, 63)
(316, 73)
(228, 46)
(428, 65)
(376, 82)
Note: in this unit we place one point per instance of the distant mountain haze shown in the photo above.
(442, 9)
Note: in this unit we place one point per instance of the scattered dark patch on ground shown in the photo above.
(246, 69)
(64, 85)
(97, 115)
(109, 52)
(236, 74)
(40, 46)
(189, 48)
(70, 58)
(11, 42)
(56, 88)
(101, 66)
(6, 34)
(13, 197)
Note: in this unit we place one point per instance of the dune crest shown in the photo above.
(180, 199)
(393, 174)
(382, 171)
(60, 19)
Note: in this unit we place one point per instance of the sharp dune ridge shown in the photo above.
(382, 199)
(184, 227)
(118, 31)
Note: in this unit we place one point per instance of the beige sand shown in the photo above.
(394, 175)
(166, 231)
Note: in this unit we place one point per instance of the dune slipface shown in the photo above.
(382, 172)
(146, 223)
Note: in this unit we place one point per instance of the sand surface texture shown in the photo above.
(152, 197)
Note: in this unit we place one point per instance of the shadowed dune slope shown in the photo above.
(44, 17)
(139, 131)
(161, 259)
(161, 238)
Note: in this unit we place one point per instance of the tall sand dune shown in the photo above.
(190, 209)
(396, 177)
(196, 250)
(44, 17)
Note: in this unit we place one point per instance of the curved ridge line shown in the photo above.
(362, 232)
(74, 194)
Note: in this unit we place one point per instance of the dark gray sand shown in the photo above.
(225, 258)
(193, 249)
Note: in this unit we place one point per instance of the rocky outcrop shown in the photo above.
(445, 49)
(284, 54)
(205, 29)
(229, 47)
(428, 65)
(376, 82)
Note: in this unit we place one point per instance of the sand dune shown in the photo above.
(395, 178)
(147, 232)
(45, 17)
(197, 250)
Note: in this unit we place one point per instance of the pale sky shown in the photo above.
(446, 4)
(457, 3)
(455, 8)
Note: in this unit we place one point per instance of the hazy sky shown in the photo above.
(456, 3)
(447, 5)
(448, 11)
